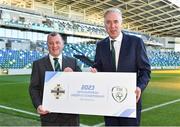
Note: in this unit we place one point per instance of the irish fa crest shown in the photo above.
(119, 94)
(58, 91)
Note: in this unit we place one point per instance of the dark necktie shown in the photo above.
(113, 53)
(56, 64)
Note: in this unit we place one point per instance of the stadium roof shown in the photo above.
(154, 17)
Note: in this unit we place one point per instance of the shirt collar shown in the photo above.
(51, 57)
(118, 39)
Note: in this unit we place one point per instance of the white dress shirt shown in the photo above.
(117, 47)
(59, 60)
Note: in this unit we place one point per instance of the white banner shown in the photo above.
(107, 94)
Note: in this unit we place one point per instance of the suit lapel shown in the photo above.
(64, 62)
(123, 50)
(48, 64)
(106, 51)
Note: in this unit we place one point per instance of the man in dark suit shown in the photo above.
(122, 53)
(54, 61)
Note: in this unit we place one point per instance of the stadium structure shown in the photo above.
(25, 24)
(24, 27)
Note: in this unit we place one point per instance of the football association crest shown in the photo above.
(119, 94)
(58, 91)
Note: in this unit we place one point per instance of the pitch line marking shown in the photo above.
(26, 112)
(9, 83)
(148, 109)
(101, 124)
(18, 110)
(160, 105)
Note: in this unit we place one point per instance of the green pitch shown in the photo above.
(163, 92)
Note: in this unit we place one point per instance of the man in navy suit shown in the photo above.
(49, 63)
(122, 53)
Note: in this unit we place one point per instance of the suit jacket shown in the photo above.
(37, 81)
(132, 58)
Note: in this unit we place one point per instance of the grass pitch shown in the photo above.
(164, 87)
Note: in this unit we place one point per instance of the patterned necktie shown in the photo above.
(113, 53)
(56, 64)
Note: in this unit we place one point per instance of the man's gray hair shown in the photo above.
(115, 10)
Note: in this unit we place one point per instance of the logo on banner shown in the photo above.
(58, 91)
(119, 94)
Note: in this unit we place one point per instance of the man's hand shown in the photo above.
(68, 69)
(41, 110)
(138, 94)
(93, 70)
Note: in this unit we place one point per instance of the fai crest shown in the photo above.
(58, 91)
(119, 94)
